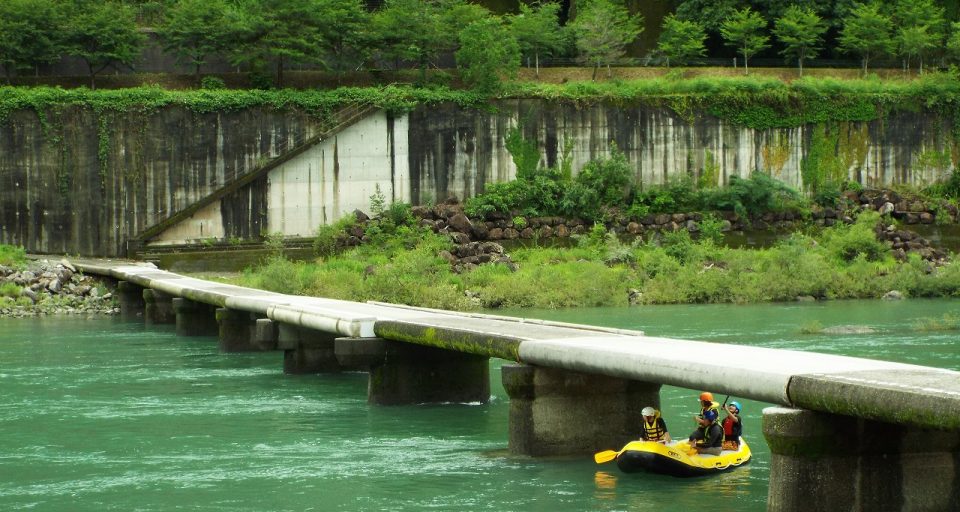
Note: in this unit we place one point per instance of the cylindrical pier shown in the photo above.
(195, 318)
(826, 462)
(560, 412)
(132, 305)
(158, 308)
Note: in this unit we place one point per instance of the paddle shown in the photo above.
(605, 456)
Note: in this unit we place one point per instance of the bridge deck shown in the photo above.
(872, 389)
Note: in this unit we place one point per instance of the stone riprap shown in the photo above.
(49, 288)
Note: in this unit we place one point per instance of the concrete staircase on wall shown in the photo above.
(341, 119)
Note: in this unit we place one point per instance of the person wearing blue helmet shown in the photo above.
(732, 427)
(708, 437)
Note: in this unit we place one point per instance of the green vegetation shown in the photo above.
(12, 256)
(743, 31)
(801, 32)
(948, 322)
(487, 52)
(842, 262)
(681, 40)
(602, 30)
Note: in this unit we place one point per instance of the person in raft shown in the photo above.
(707, 404)
(708, 438)
(654, 427)
(732, 427)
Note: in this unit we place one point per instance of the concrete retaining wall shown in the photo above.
(74, 182)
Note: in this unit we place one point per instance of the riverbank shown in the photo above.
(45, 287)
(409, 263)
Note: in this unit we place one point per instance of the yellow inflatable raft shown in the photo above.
(678, 459)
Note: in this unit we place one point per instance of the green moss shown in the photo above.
(451, 339)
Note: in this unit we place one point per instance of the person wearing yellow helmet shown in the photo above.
(654, 426)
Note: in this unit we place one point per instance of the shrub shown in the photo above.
(601, 184)
(325, 242)
(212, 83)
(758, 194)
(858, 240)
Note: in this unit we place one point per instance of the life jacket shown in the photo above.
(732, 429)
(706, 435)
(654, 431)
(714, 406)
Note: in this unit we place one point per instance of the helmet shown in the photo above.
(736, 404)
(648, 411)
(707, 396)
(710, 415)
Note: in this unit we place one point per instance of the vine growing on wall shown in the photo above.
(103, 150)
(823, 167)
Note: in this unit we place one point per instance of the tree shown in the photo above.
(953, 42)
(800, 30)
(29, 34)
(681, 40)
(537, 30)
(866, 31)
(411, 30)
(344, 37)
(919, 29)
(707, 12)
(487, 49)
(195, 29)
(602, 30)
(742, 31)
(103, 34)
(288, 31)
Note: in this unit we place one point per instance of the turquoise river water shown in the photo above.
(98, 415)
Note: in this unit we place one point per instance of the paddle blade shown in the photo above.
(604, 456)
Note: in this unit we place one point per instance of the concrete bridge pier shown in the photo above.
(132, 305)
(195, 318)
(237, 331)
(306, 350)
(561, 412)
(826, 462)
(405, 373)
(158, 308)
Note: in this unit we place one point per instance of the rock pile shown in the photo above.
(45, 288)
(903, 242)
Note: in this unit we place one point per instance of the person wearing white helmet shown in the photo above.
(654, 427)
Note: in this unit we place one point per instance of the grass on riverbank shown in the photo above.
(12, 256)
(842, 262)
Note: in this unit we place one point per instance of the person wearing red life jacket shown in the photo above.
(732, 427)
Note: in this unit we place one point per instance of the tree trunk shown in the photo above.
(746, 64)
(280, 73)
(536, 63)
(93, 76)
(596, 67)
(800, 62)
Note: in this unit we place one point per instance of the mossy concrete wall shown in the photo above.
(78, 181)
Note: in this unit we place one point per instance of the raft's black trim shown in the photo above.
(633, 461)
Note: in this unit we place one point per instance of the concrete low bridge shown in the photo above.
(848, 433)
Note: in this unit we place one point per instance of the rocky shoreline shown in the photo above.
(46, 287)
